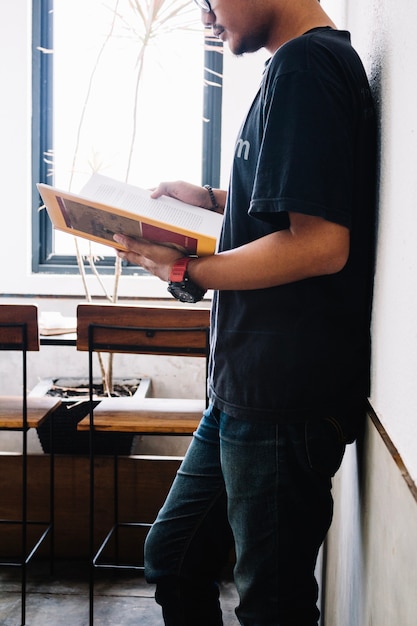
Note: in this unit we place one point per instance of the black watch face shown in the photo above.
(180, 292)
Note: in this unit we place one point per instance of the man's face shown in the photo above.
(244, 24)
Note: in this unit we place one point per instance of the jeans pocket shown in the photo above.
(325, 445)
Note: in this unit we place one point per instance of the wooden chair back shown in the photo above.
(19, 331)
(143, 329)
(19, 327)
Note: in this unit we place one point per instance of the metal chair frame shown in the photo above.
(96, 343)
(22, 338)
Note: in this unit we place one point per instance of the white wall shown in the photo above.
(371, 549)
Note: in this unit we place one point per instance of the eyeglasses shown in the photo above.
(204, 5)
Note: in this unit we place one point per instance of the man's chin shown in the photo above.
(239, 48)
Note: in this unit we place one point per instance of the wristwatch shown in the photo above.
(180, 284)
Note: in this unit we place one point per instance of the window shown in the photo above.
(111, 96)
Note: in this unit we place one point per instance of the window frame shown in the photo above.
(44, 259)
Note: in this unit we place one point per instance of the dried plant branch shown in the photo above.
(95, 272)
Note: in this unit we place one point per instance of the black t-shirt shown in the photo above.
(307, 145)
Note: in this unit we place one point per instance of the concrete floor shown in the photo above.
(121, 598)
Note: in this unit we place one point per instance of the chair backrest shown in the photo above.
(142, 329)
(19, 327)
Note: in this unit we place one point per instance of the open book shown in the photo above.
(106, 206)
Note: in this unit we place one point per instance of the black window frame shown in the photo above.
(44, 259)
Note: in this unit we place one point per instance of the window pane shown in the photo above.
(102, 52)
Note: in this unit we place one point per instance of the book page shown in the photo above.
(164, 209)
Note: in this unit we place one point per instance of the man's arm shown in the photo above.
(311, 246)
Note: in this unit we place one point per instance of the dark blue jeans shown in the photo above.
(264, 489)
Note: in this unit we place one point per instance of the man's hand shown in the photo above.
(191, 194)
(186, 192)
(152, 257)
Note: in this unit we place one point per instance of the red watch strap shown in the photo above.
(178, 269)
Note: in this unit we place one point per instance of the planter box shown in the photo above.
(67, 439)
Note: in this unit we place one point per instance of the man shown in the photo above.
(289, 365)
